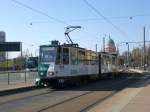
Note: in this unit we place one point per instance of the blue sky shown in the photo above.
(15, 21)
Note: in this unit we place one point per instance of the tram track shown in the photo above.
(22, 96)
(118, 86)
(139, 80)
(56, 100)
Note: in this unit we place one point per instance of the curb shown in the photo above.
(17, 90)
(146, 72)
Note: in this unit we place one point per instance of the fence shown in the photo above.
(17, 77)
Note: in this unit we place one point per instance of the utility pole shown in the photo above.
(21, 48)
(128, 54)
(144, 60)
(103, 44)
(96, 48)
(8, 70)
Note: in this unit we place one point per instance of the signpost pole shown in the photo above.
(21, 48)
(8, 69)
(144, 60)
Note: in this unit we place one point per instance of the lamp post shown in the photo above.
(104, 42)
(127, 53)
(144, 60)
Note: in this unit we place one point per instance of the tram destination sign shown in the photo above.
(10, 46)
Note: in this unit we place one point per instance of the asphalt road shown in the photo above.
(71, 99)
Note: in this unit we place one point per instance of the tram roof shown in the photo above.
(63, 45)
(67, 45)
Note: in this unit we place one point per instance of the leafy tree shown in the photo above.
(136, 57)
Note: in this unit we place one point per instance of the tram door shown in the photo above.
(62, 56)
(65, 56)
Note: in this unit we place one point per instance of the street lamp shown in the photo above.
(104, 38)
(127, 53)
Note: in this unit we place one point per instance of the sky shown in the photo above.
(129, 16)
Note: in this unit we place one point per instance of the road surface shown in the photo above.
(71, 99)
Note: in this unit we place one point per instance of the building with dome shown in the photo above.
(110, 46)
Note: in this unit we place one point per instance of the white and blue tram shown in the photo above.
(68, 63)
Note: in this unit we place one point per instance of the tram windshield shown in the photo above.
(48, 54)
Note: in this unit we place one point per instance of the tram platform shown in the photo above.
(134, 98)
(140, 71)
(5, 88)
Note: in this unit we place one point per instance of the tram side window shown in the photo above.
(59, 55)
(94, 59)
(81, 57)
(73, 56)
(65, 56)
(88, 58)
(91, 58)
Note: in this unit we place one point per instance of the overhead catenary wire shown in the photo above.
(64, 22)
(39, 12)
(134, 42)
(87, 19)
(106, 19)
(44, 14)
(128, 17)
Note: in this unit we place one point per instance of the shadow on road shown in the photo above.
(122, 81)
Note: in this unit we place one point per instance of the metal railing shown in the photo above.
(11, 77)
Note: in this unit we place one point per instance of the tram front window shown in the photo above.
(48, 55)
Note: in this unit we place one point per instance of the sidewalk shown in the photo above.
(140, 103)
(6, 87)
(17, 80)
(140, 71)
(132, 99)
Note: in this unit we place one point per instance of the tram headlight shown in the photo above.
(37, 79)
(50, 73)
(41, 73)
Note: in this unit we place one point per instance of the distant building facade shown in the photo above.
(2, 36)
(110, 46)
(2, 39)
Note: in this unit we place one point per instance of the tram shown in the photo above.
(69, 63)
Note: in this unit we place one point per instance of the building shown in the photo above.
(110, 46)
(2, 36)
(2, 39)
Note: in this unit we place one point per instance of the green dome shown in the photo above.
(110, 42)
(110, 45)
